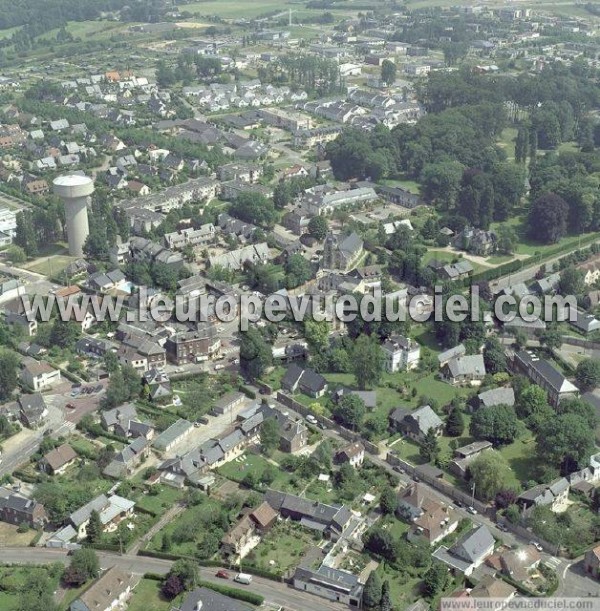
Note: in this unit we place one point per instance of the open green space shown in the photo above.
(147, 596)
(238, 469)
(158, 498)
(283, 547)
(235, 8)
(51, 266)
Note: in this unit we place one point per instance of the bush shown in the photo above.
(246, 596)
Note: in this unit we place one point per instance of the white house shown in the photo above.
(401, 354)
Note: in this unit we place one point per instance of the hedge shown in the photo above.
(245, 595)
(247, 391)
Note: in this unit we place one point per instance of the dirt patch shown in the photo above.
(192, 24)
(9, 537)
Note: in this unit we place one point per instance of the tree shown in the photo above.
(372, 591)
(254, 208)
(187, 571)
(494, 357)
(435, 579)
(25, 234)
(172, 587)
(380, 542)
(94, 528)
(323, 453)
(16, 254)
(388, 501)
(571, 281)
(84, 566)
(368, 361)
(441, 183)
(9, 362)
(37, 592)
(429, 448)
(386, 599)
(317, 335)
(532, 406)
(350, 411)
(318, 227)
(566, 441)
(548, 218)
(490, 474)
(497, 424)
(551, 338)
(64, 333)
(388, 72)
(269, 436)
(256, 354)
(455, 424)
(507, 240)
(587, 374)
(297, 271)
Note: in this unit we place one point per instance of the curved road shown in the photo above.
(274, 592)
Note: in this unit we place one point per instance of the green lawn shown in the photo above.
(404, 589)
(285, 546)
(273, 379)
(147, 596)
(236, 470)
(51, 266)
(431, 386)
(507, 141)
(521, 456)
(234, 8)
(157, 503)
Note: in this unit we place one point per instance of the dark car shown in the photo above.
(222, 574)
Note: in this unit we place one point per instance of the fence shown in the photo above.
(348, 435)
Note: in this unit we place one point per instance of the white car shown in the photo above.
(472, 510)
(310, 418)
(537, 546)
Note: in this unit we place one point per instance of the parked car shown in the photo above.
(472, 510)
(537, 546)
(70, 406)
(502, 527)
(458, 504)
(222, 574)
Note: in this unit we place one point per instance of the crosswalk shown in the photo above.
(553, 562)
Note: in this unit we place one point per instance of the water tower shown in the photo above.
(75, 191)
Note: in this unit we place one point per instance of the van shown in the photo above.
(243, 578)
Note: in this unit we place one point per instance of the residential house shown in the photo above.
(123, 413)
(492, 588)
(554, 495)
(16, 509)
(591, 271)
(469, 552)
(112, 510)
(401, 354)
(591, 562)
(331, 520)
(445, 357)
(58, 460)
(33, 410)
(131, 456)
(236, 259)
(330, 583)
(353, 454)
(306, 380)
(157, 383)
(434, 522)
(108, 593)
(477, 241)
(504, 395)
(341, 252)
(240, 538)
(191, 346)
(584, 323)
(416, 424)
(469, 369)
(518, 563)
(542, 373)
(456, 271)
(38, 375)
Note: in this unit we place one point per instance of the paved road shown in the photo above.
(279, 593)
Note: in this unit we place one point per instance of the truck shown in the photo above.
(243, 578)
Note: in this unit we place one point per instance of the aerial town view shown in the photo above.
(299, 305)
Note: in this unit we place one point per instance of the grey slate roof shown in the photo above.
(497, 396)
(473, 544)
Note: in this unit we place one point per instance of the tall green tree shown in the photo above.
(350, 411)
(372, 591)
(256, 354)
(94, 528)
(368, 361)
(430, 448)
(9, 363)
(490, 474)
